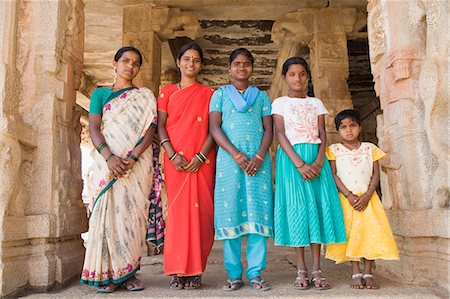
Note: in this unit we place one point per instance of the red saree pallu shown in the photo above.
(189, 233)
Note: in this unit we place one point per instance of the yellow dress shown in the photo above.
(369, 234)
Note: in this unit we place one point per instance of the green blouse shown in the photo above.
(101, 96)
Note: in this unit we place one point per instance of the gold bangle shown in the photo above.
(348, 193)
(164, 141)
(259, 157)
(237, 156)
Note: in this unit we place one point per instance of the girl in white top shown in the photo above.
(307, 209)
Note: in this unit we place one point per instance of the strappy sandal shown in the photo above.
(319, 279)
(177, 283)
(301, 281)
(193, 283)
(133, 285)
(233, 284)
(360, 284)
(372, 285)
(259, 284)
(108, 288)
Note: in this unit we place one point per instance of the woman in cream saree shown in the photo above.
(123, 179)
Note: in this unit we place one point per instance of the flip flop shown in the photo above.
(233, 285)
(133, 285)
(109, 288)
(259, 284)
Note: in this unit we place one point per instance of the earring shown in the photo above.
(115, 76)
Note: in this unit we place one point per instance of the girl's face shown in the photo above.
(349, 130)
(296, 78)
(241, 68)
(190, 63)
(128, 65)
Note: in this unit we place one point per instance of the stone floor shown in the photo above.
(280, 273)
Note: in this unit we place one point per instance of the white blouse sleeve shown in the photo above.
(277, 107)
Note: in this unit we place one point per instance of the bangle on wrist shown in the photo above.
(237, 156)
(259, 157)
(200, 158)
(133, 157)
(348, 193)
(320, 165)
(303, 164)
(173, 156)
(101, 146)
(110, 155)
(164, 141)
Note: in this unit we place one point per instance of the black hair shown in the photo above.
(122, 50)
(348, 113)
(243, 51)
(190, 46)
(295, 60)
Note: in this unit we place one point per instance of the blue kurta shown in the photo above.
(242, 204)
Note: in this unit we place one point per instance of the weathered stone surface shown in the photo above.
(409, 61)
(40, 211)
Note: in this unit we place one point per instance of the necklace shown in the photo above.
(241, 91)
(179, 85)
(351, 147)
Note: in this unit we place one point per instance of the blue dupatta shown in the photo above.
(242, 102)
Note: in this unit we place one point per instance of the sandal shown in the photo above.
(259, 284)
(358, 281)
(319, 282)
(133, 284)
(107, 288)
(177, 283)
(193, 283)
(370, 282)
(233, 284)
(301, 281)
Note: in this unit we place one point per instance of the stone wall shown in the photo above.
(409, 60)
(41, 214)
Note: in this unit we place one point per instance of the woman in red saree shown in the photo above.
(189, 166)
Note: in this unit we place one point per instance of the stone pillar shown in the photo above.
(41, 213)
(324, 31)
(145, 27)
(409, 59)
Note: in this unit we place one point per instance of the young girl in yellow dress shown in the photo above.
(356, 171)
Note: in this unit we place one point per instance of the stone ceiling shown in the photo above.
(104, 22)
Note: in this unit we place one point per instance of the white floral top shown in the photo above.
(300, 118)
(354, 167)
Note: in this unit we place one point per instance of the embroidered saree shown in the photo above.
(189, 233)
(120, 207)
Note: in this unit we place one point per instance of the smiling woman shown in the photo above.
(122, 122)
(189, 165)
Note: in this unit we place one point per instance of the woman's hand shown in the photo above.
(194, 165)
(308, 172)
(180, 162)
(117, 166)
(242, 162)
(254, 164)
(362, 202)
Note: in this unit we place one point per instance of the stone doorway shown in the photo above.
(51, 49)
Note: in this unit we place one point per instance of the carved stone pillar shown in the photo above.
(324, 31)
(409, 59)
(145, 27)
(41, 215)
